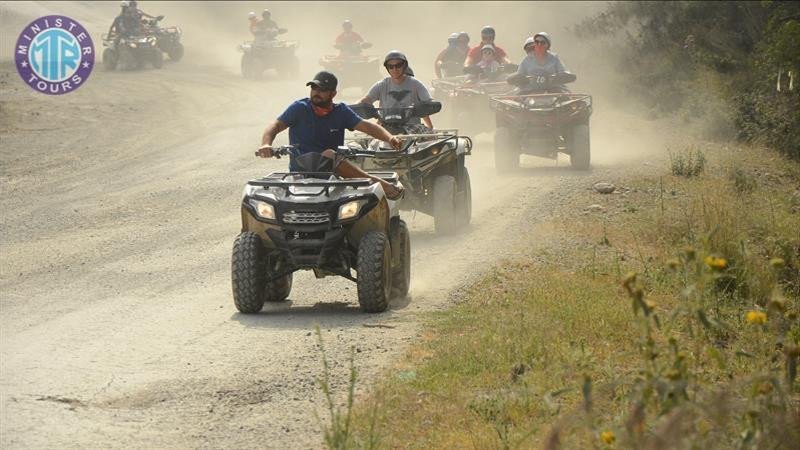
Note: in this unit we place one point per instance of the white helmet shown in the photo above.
(124, 3)
(251, 15)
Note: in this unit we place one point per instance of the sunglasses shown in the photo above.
(395, 66)
(540, 42)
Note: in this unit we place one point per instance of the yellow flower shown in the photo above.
(608, 437)
(716, 263)
(756, 317)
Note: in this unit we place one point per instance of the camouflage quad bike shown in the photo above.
(168, 39)
(313, 220)
(131, 52)
(269, 53)
(465, 99)
(351, 68)
(543, 123)
(431, 165)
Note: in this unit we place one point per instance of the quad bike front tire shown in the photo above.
(401, 252)
(374, 266)
(250, 66)
(278, 290)
(157, 58)
(578, 143)
(464, 200)
(175, 52)
(110, 59)
(506, 150)
(248, 272)
(444, 204)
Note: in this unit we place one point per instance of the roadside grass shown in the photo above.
(668, 321)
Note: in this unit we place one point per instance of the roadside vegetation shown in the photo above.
(733, 66)
(668, 320)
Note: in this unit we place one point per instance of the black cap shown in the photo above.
(325, 81)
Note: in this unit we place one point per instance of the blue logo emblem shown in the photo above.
(54, 55)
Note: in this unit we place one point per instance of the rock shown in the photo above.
(604, 188)
(595, 208)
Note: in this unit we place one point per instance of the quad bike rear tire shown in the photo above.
(248, 273)
(157, 58)
(578, 143)
(374, 266)
(278, 290)
(464, 200)
(401, 252)
(506, 150)
(175, 53)
(110, 59)
(444, 204)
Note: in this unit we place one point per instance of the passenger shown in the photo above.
(540, 61)
(487, 38)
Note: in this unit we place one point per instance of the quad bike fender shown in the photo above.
(376, 219)
(250, 223)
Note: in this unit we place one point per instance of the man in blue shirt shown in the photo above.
(316, 124)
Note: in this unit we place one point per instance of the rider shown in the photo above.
(540, 62)
(316, 124)
(349, 42)
(266, 27)
(454, 54)
(488, 63)
(400, 89)
(487, 37)
(127, 23)
(253, 19)
(135, 6)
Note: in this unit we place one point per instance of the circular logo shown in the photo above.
(54, 55)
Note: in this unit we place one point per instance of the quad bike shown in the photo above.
(542, 119)
(168, 39)
(131, 52)
(351, 67)
(466, 97)
(451, 69)
(269, 53)
(431, 165)
(314, 220)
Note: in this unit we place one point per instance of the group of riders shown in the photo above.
(130, 21)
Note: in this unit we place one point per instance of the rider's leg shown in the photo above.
(346, 169)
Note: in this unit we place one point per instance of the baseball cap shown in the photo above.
(324, 80)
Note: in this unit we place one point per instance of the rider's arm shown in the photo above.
(437, 66)
(373, 94)
(144, 14)
(378, 132)
(272, 130)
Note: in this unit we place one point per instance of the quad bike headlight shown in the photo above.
(263, 209)
(349, 210)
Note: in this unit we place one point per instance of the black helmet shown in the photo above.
(488, 30)
(347, 25)
(395, 54)
(266, 14)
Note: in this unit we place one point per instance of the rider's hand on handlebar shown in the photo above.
(395, 142)
(265, 151)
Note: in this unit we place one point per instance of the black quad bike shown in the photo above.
(131, 52)
(542, 119)
(314, 220)
(431, 164)
(168, 39)
(269, 53)
(351, 67)
(465, 98)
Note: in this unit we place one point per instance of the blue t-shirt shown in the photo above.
(317, 134)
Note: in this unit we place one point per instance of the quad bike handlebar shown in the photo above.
(541, 81)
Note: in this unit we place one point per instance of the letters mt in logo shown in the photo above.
(54, 55)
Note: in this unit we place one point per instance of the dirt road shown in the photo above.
(120, 203)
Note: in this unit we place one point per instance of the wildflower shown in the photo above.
(777, 263)
(716, 263)
(756, 317)
(608, 437)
